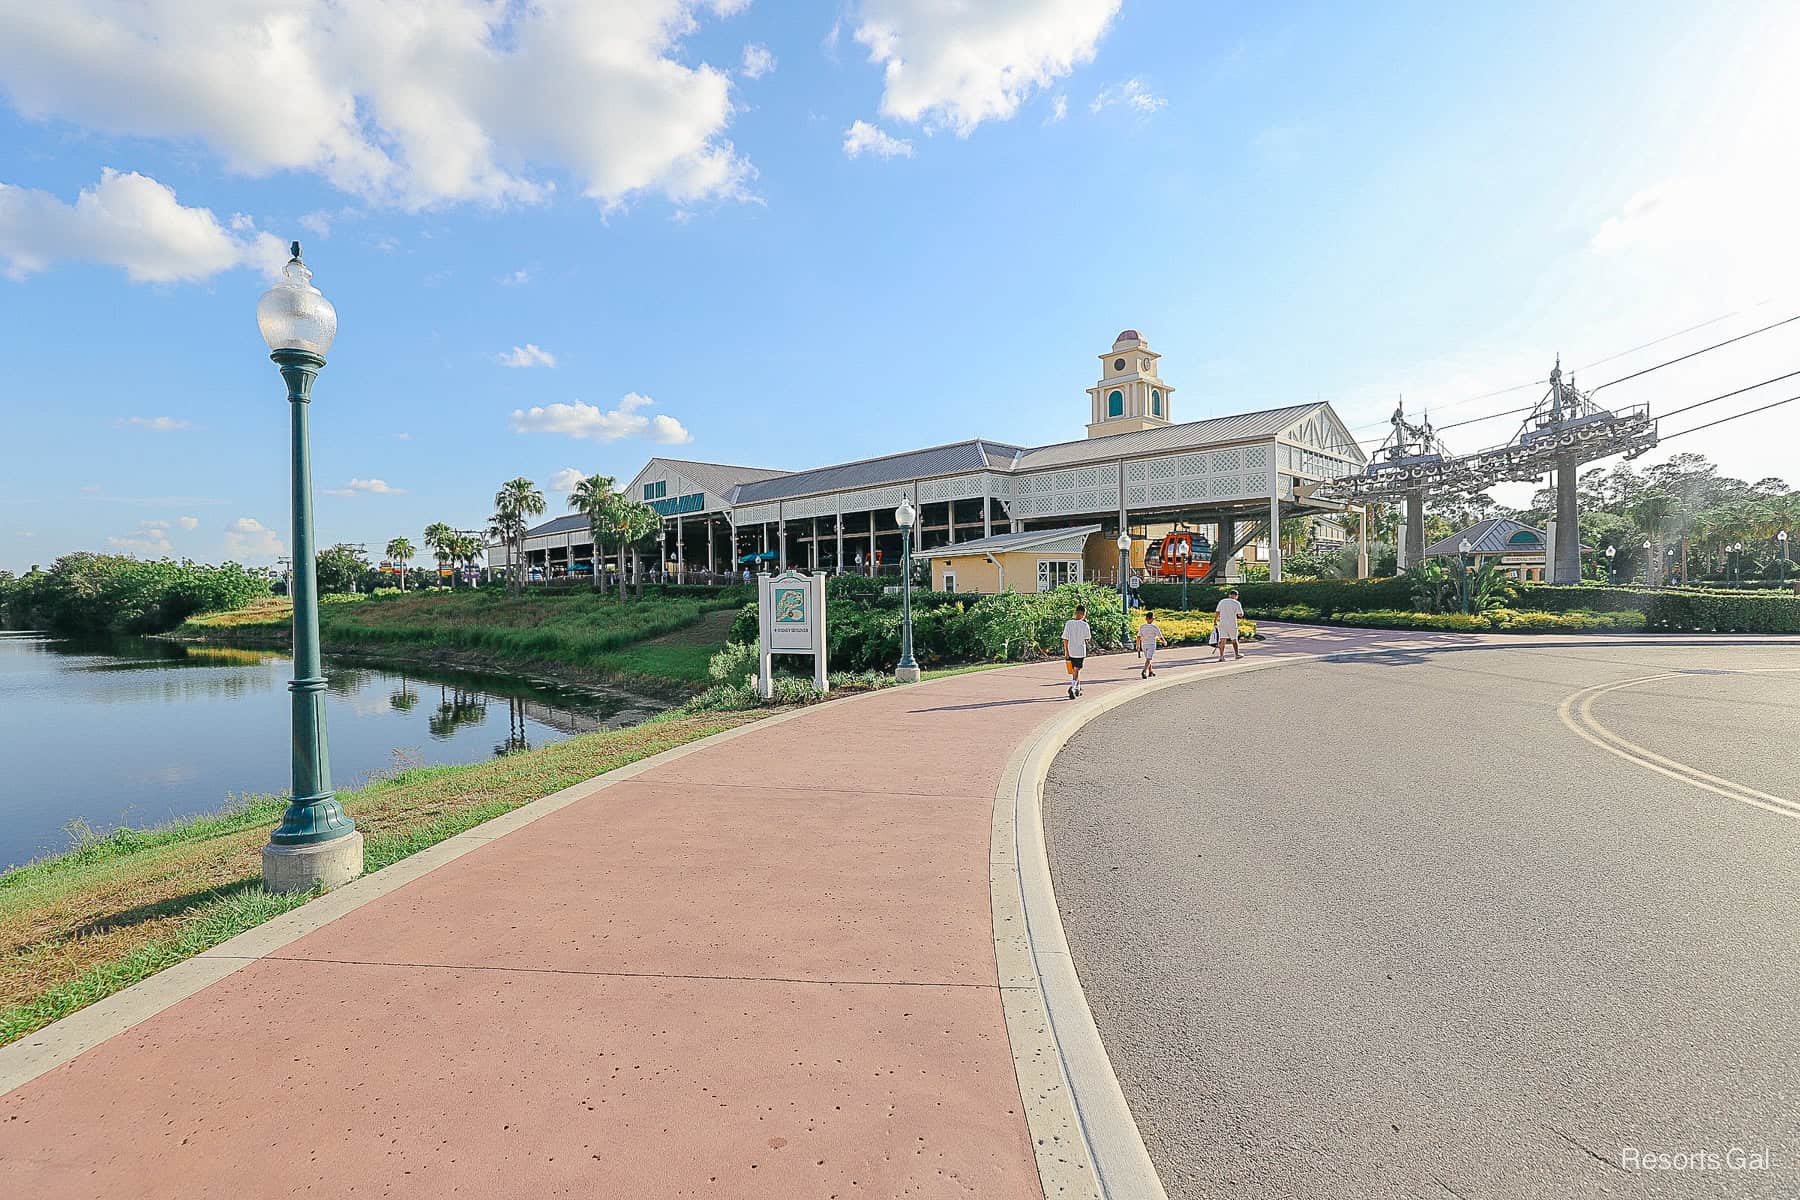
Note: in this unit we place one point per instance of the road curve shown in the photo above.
(1474, 923)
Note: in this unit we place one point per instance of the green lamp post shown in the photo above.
(316, 844)
(1463, 550)
(1124, 544)
(1782, 537)
(908, 670)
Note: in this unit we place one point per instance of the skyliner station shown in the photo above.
(1233, 478)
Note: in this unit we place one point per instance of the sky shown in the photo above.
(562, 237)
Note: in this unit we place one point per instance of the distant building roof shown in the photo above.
(1496, 535)
(975, 454)
(1187, 435)
(1006, 543)
(719, 478)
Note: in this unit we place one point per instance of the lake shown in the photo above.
(133, 731)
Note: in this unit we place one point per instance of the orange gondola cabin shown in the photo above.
(1182, 552)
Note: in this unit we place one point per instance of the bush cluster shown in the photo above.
(116, 593)
(1261, 599)
(1722, 612)
(862, 626)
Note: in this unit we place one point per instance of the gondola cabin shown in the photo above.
(1182, 552)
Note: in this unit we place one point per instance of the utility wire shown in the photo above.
(1600, 362)
(1703, 350)
(1728, 395)
(1750, 412)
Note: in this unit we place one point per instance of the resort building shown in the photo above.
(1137, 469)
(1517, 548)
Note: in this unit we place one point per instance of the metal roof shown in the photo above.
(1001, 543)
(560, 525)
(1492, 536)
(1186, 436)
(976, 454)
(718, 478)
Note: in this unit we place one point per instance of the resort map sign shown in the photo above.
(792, 619)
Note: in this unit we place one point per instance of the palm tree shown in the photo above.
(401, 551)
(438, 536)
(516, 502)
(1652, 510)
(468, 549)
(593, 497)
(635, 523)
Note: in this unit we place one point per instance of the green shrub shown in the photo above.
(1326, 596)
(734, 664)
(115, 593)
(1718, 612)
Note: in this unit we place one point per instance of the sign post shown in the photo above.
(791, 610)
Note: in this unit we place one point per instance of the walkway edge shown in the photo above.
(61, 1041)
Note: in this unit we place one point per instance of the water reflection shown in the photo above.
(130, 731)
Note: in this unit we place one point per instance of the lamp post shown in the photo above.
(1184, 550)
(1668, 564)
(1648, 582)
(1125, 585)
(1462, 551)
(1737, 564)
(904, 516)
(316, 843)
(1782, 537)
(1612, 552)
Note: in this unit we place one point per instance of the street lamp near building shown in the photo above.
(1737, 564)
(1612, 552)
(1648, 568)
(316, 844)
(1125, 584)
(904, 516)
(1463, 551)
(1782, 537)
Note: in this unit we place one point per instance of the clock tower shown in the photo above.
(1130, 395)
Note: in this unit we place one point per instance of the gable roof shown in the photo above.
(975, 454)
(1492, 536)
(717, 478)
(1005, 543)
(1187, 435)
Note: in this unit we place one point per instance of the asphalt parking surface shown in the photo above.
(1393, 927)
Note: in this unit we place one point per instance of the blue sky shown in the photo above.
(812, 232)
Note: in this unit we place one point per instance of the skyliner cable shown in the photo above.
(1703, 350)
(1749, 412)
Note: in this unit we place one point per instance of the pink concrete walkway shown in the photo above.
(765, 969)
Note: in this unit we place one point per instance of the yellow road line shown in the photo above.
(1577, 713)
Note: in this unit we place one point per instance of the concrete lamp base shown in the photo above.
(322, 864)
(906, 674)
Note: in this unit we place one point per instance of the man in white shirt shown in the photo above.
(1076, 636)
(1149, 637)
(1225, 623)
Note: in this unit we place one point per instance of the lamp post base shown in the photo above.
(320, 864)
(906, 674)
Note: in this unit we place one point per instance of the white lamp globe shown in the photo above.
(1611, 550)
(295, 315)
(1125, 541)
(1465, 546)
(905, 514)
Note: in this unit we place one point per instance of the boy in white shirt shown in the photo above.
(1149, 637)
(1225, 623)
(1076, 636)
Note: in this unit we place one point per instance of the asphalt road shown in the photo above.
(1408, 927)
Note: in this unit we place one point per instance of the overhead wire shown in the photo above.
(1695, 354)
(1749, 412)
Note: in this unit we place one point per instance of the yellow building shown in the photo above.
(1033, 561)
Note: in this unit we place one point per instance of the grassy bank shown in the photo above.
(78, 927)
(656, 641)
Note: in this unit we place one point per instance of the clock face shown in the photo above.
(1118, 364)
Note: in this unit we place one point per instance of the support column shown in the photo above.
(871, 559)
(950, 521)
(1568, 527)
(812, 547)
(680, 552)
(838, 562)
(709, 546)
(1274, 537)
(1362, 544)
(987, 512)
(1412, 543)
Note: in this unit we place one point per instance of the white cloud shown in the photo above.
(1132, 94)
(318, 222)
(155, 424)
(518, 277)
(957, 65)
(409, 104)
(151, 537)
(728, 8)
(366, 487)
(564, 481)
(188, 522)
(403, 437)
(129, 221)
(582, 420)
(528, 355)
(249, 538)
(863, 138)
(757, 61)
(1059, 108)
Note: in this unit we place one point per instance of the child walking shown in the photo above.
(1149, 637)
(1076, 635)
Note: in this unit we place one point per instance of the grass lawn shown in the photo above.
(80, 926)
(657, 638)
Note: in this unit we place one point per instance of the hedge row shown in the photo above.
(1722, 612)
(1326, 595)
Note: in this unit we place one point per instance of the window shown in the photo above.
(1054, 572)
(1115, 403)
(657, 490)
(949, 581)
(1155, 402)
(1525, 537)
